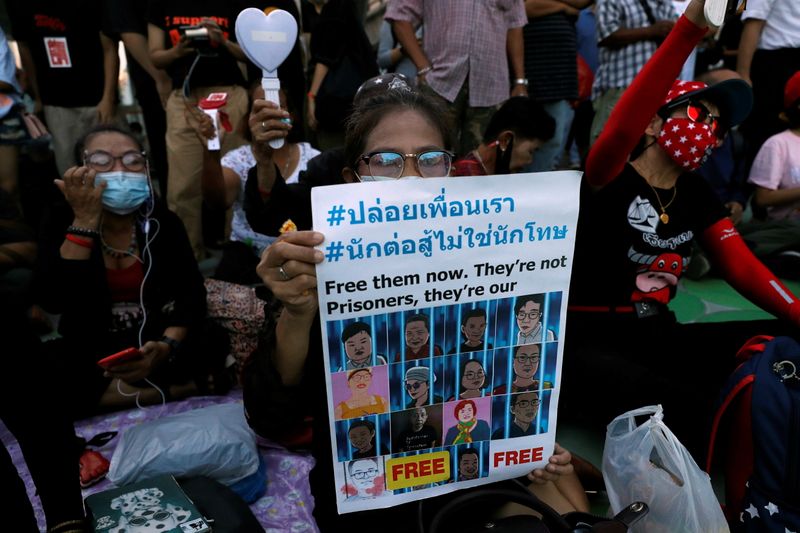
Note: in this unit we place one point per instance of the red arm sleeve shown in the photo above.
(747, 274)
(640, 102)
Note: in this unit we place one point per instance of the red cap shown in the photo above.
(679, 88)
(734, 97)
(791, 93)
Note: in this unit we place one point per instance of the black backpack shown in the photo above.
(550, 520)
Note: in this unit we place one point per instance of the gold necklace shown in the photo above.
(664, 216)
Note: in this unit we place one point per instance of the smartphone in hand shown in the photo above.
(129, 354)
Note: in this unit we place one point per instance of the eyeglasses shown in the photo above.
(527, 358)
(372, 472)
(102, 161)
(430, 163)
(474, 375)
(524, 404)
(533, 315)
(415, 385)
(361, 376)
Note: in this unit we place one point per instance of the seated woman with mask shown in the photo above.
(641, 209)
(117, 266)
(284, 380)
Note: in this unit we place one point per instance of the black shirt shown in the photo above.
(550, 51)
(621, 242)
(64, 40)
(220, 69)
(409, 440)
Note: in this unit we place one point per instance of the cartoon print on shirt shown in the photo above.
(642, 215)
(657, 276)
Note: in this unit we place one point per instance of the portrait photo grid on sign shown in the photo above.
(444, 379)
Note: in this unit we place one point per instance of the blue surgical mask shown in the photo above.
(125, 191)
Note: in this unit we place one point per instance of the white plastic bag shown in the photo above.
(214, 441)
(648, 463)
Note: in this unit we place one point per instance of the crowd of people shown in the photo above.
(102, 229)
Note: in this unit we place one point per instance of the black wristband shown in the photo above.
(85, 232)
(173, 344)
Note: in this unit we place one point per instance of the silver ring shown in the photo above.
(264, 125)
(284, 275)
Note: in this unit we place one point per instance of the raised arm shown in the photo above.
(641, 100)
(159, 55)
(288, 269)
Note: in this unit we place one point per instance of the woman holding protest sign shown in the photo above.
(284, 380)
(641, 210)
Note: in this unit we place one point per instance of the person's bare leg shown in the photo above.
(564, 495)
(570, 488)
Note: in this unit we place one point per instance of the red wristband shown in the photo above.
(80, 241)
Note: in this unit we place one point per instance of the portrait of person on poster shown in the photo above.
(357, 341)
(362, 438)
(361, 401)
(528, 311)
(365, 479)
(419, 435)
(468, 428)
(417, 336)
(525, 364)
(524, 408)
(468, 464)
(473, 379)
(473, 330)
(417, 385)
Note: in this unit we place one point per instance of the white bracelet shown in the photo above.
(423, 71)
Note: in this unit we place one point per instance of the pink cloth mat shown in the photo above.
(287, 505)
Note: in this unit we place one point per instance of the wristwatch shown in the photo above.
(173, 344)
(521, 81)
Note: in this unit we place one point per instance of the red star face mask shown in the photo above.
(687, 142)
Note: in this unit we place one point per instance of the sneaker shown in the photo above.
(94, 468)
(717, 11)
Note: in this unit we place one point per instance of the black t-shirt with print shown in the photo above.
(624, 252)
(220, 69)
(409, 440)
(64, 40)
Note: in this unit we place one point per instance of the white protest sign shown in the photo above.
(443, 309)
(267, 40)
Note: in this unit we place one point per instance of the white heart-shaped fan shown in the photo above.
(267, 40)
